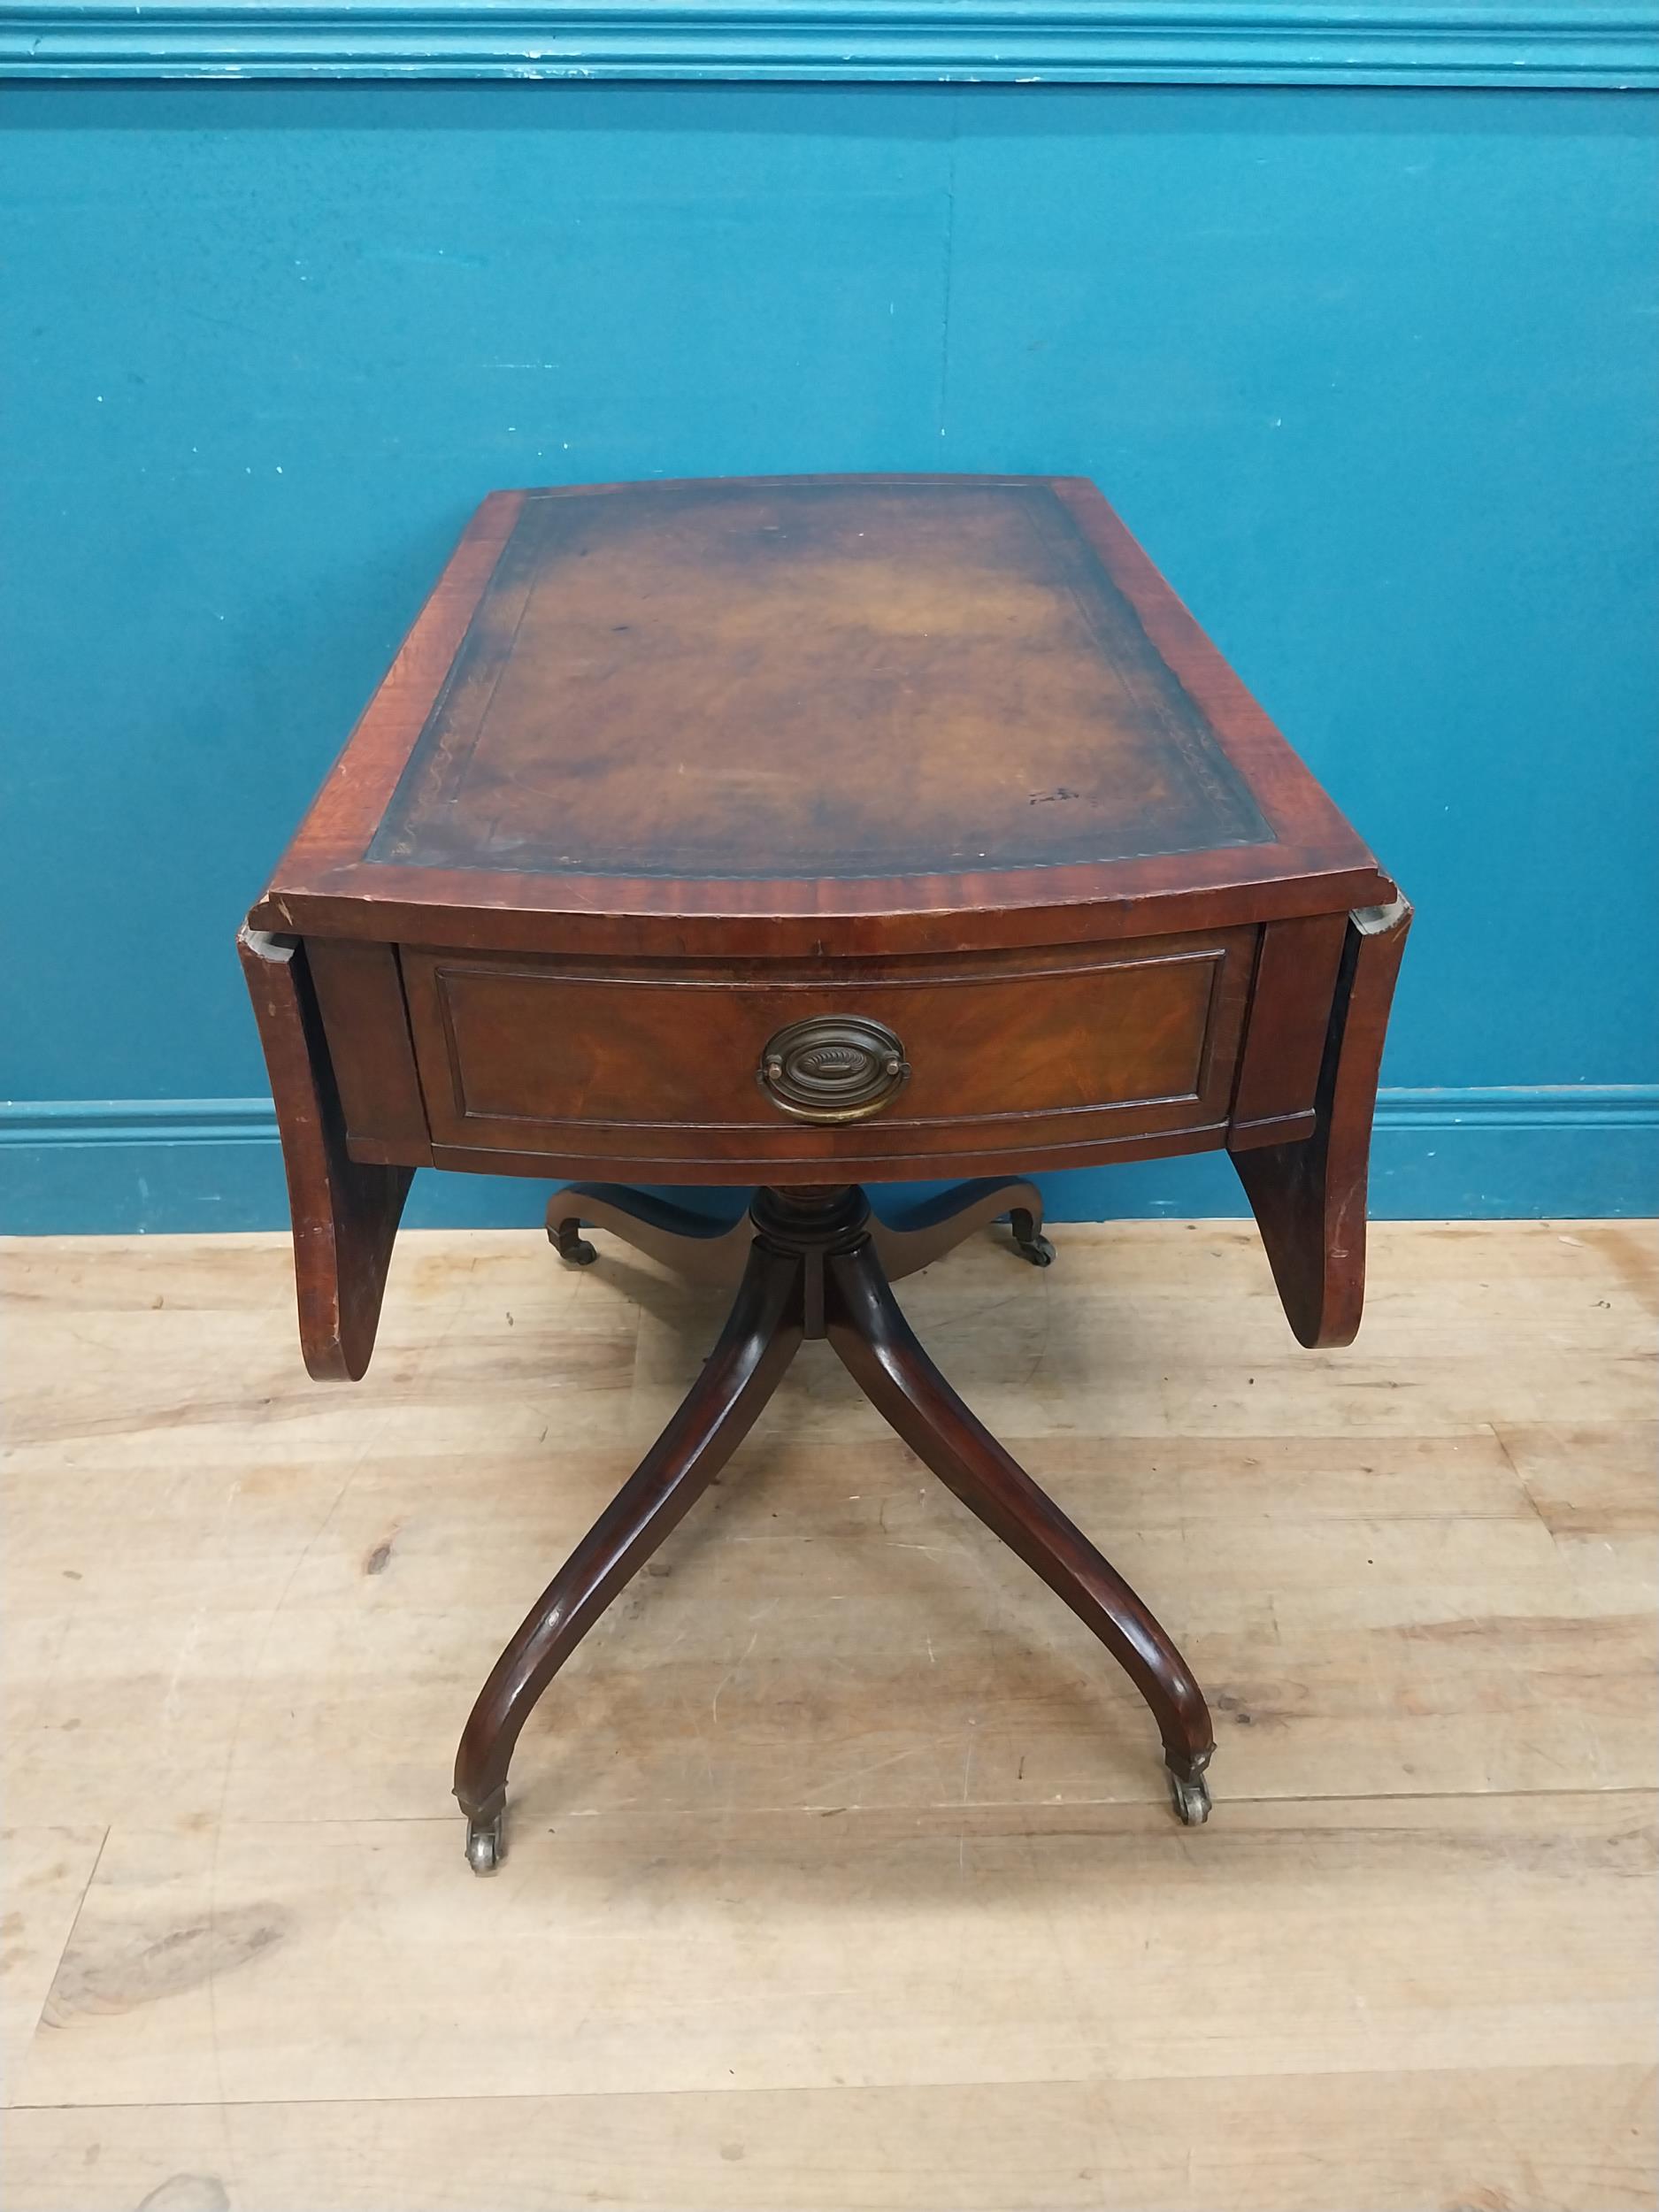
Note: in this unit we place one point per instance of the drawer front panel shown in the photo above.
(574, 1060)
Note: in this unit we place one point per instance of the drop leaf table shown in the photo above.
(801, 834)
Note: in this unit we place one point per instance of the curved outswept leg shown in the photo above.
(741, 1372)
(914, 1236)
(1308, 1198)
(703, 1250)
(879, 1347)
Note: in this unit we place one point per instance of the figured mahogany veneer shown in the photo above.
(1024, 1060)
(802, 832)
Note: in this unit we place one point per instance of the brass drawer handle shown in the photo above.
(834, 1068)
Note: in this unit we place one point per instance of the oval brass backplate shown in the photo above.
(834, 1068)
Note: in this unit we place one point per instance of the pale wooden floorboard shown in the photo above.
(793, 1950)
(839, 1873)
(43, 1877)
(1555, 2138)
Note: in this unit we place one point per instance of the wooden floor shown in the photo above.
(841, 1874)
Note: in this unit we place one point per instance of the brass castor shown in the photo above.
(1190, 1796)
(1030, 1240)
(485, 1846)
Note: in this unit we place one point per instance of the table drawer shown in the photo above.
(671, 1067)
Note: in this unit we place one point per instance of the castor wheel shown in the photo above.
(1030, 1240)
(572, 1247)
(1190, 1797)
(485, 1847)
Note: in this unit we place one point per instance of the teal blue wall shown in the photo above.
(1374, 374)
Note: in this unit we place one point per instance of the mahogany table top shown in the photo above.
(809, 714)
